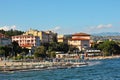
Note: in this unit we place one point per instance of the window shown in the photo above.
(28, 40)
(31, 40)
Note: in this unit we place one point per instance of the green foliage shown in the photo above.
(7, 50)
(40, 52)
(63, 47)
(12, 50)
(73, 49)
(51, 54)
(58, 47)
(109, 48)
(55, 38)
(19, 57)
(25, 51)
(16, 48)
(11, 32)
(95, 45)
(52, 46)
(2, 31)
(29, 57)
(2, 52)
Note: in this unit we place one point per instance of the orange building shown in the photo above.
(80, 41)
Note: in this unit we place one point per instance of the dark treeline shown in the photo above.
(11, 32)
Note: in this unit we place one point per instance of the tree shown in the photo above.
(8, 50)
(52, 46)
(13, 32)
(40, 52)
(2, 52)
(94, 45)
(51, 54)
(2, 31)
(72, 48)
(16, 48)
(55, 37)
(25, 51)
(58, 47)
(109, 48)
(63, 47)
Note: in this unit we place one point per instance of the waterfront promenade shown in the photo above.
(15, 65)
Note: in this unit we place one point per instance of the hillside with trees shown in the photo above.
(11, 32)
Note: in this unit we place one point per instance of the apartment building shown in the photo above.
(63, 38)
(80, 41)
(45, 36)
(27, 41)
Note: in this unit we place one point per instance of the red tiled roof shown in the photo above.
(81, 34)
(79, 39)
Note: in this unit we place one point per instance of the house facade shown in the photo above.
(4, 40)
(63, 38)
(45, 36)
(27, 41)
(80, 41)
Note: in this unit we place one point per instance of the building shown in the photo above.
(64, 55)
(2, 35)
(93, 52)
(63, 38)
(61, 55)
(27, 41)
(52, 37)
(4, 40)
(45, 36)
(80, 41)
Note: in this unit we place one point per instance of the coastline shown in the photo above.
(103, 57)
(6, 66)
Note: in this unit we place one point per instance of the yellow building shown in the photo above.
(45, 36)
(63, 38)
(60, 38)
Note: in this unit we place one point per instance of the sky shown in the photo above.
(61, 16)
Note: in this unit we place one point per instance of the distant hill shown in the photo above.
(106, 34)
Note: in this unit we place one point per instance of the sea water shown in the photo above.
(108, 69)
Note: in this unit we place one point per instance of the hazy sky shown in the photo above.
(62, 16)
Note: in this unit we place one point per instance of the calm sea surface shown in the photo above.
(96, 70)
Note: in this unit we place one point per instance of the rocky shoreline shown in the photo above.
(6, 66)
(42, 66)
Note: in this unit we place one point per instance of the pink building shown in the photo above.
(80, 40)
(27, 41)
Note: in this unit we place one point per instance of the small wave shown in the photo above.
(94, 63)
